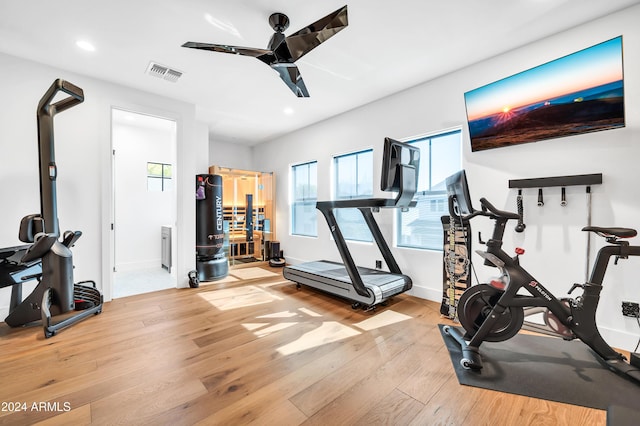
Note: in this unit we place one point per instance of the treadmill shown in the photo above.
(365, 287)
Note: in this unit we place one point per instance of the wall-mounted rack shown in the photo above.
(587, 180)
(561, 181)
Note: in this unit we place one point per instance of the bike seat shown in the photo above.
(612, 232)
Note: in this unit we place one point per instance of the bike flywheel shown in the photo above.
(476, 304)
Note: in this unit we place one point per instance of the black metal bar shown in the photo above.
(16, 296)
(380, 241)
(408, 186)
(404, 199)
(602, 260)
(48, 171)
(46, 145)
(590, 179)
(360, 202)
(347, 260)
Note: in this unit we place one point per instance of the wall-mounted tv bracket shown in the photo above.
(563, 182)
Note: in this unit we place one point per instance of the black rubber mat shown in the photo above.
(546, 368)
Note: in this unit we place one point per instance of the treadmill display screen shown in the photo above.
(395, 154)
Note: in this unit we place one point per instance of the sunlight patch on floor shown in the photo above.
(274, 328)
(309, 312)
(251, 326)
(381, 320)
(283, 314)
(328, 332)
(251, 273)
(245, 274)
(262, 329)
(233, 298)
(227, 279)
(275, 283)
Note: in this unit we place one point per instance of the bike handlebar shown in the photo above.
(76, 96)
(486, 205)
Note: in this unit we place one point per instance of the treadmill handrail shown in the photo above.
(404, 199)
(360, 202)
(345, 254)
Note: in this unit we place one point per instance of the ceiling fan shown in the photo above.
(282, 52)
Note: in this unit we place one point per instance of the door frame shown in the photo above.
(109, 222)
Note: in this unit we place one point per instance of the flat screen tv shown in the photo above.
(579, 93)
(395, 154)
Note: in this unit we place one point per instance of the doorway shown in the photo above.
(144, 202)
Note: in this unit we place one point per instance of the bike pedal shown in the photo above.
(635, 359)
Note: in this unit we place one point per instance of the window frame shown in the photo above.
(304, 200)
(163, 178)
(358, 194)
(438, 197)
(367, 193)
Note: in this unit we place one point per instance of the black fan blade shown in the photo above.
(290, 74)
(303, 41)
(264, 55)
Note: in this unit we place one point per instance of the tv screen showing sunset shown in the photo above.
(579, 93)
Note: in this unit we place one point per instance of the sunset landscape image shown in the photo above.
(579, 93)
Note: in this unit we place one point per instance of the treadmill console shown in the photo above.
(397, 154)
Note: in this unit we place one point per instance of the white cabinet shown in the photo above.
(166, 247)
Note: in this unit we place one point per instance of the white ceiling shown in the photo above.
(387, 47)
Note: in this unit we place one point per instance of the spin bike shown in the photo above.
(496, 311)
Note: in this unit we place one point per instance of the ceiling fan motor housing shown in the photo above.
(279, 21)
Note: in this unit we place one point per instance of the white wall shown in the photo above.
(140, 213)
(553, 240)
(231, 155)
(83, 155)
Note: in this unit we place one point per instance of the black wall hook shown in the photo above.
(540, 199)
(520, 225)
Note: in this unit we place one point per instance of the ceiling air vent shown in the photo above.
(164, 72)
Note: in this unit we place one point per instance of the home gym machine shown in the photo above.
(47, 259)
(495, 312)
(363, 286)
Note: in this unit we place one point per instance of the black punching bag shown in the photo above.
(211, 262)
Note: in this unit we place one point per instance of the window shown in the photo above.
(353, 179)
(304, 183)
(440, 157)
(159, 177)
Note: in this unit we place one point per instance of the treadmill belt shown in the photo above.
(338, 272)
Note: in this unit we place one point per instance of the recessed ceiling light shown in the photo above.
(288, 111)
(85, 45)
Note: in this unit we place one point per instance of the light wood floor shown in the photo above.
(254, 350)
